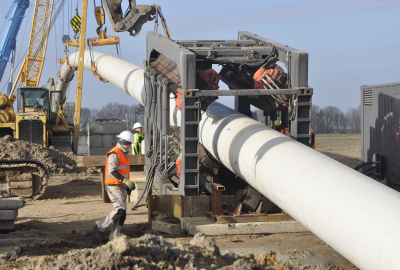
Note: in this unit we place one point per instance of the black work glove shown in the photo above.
(129, 184)
(128, 190)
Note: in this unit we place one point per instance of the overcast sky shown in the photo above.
(350, 43)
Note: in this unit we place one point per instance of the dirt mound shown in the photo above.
(154, 252)
(54, 160)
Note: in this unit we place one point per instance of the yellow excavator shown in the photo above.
(36, 112)
(39, 117)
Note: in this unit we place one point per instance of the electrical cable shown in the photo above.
(155, 160)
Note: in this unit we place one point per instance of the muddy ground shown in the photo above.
(62, 220)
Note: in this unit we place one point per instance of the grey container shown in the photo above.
(380, 129)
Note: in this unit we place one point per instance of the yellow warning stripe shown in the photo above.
(76, 23)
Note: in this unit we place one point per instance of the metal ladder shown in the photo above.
(303, 118)
(191, 114)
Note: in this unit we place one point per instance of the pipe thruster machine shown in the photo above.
(181, 80)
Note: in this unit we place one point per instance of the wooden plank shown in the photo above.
(99, 161)
(249, 218)
(3, 186)
(21, 177)
(26, 192)
(20, 184)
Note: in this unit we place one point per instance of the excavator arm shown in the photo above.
(133, 19)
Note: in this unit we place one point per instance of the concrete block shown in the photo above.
(7, 225)
(98, 151)
(83, 150)
(82, 140)
(12, 203)
(8, 214)
(135, 195)
(166, 227)
(194, 225)
(109, 141)
(106, 128)
(95, 141)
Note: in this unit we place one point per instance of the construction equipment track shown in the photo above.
(23, 177)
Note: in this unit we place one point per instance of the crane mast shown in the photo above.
(8, 43)
(31, 69)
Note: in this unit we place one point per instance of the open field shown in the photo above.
(62, 220)
(345, 148)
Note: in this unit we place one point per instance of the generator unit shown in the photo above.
(380, 132)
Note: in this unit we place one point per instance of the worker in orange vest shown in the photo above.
(117, 185)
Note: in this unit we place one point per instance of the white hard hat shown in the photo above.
(126, 136)
(137, 125)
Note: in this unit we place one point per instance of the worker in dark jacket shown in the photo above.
(138, 138)
(116, 183)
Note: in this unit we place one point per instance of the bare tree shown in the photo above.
(343, 123)
(130, 113)
(86, 117)
(315, 109)
(354, 118)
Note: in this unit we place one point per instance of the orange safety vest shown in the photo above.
(123, 167)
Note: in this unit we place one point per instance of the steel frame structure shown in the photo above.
(248, 47)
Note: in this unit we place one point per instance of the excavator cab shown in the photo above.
(36, 98)
(32, 114)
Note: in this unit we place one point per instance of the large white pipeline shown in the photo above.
(355, 215)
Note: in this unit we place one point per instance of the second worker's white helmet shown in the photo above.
(126, 136)
(137, 125)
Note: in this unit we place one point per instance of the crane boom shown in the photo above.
(8, 43)
(31, 69)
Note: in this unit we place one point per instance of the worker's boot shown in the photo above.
(115, 230)
(99, 234)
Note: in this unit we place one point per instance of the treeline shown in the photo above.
(331, 119)
(130, 113)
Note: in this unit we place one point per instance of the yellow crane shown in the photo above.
(31, 69)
